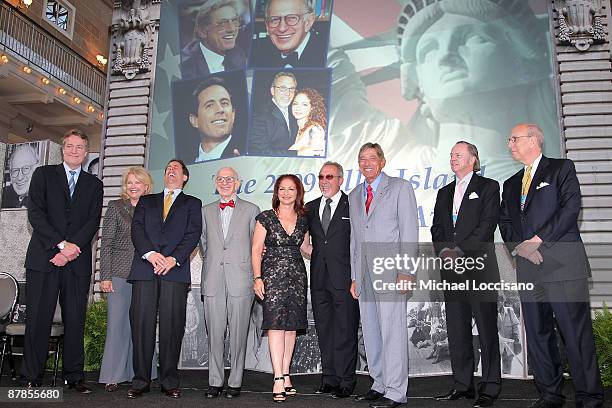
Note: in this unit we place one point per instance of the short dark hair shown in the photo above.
(183, 166)
(298, 206)
(210, 81)
(76, 132)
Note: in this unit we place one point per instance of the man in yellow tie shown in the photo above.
(539, 224)
(166, 228)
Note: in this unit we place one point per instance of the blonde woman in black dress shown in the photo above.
(280, 275)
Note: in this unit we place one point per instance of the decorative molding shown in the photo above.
(133, 29)
(580, 23)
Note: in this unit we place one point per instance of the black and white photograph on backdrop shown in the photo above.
(210, 117)
(291, 33)
(289, 113)
(21, 161)
(215, 36)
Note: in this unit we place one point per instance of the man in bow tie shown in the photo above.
(290, 42)
(539, 224)
(465, 219)
(227, 280)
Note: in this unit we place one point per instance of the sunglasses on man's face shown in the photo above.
(327, 177)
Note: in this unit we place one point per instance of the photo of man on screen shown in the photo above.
(214, 48)
(23, 159)
(291, 40)
(214, 121)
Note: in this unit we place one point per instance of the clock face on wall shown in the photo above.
(57, 13)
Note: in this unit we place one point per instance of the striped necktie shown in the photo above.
(526, 181)
(71, 182)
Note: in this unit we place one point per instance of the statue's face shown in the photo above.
(461, 56)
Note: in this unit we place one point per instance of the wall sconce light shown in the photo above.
(101, 60)
(76, 99)
(101, 116)
(45, 80)
(91, 109)
(27, 69)
(4, 59)
(61, 90)
(26, 3)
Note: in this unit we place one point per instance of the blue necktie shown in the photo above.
(71, 182)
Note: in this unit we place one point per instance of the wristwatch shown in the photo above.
(257, 277)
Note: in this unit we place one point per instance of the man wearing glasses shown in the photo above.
(290, 41)
(23, 162)
(335, 311)
(217, 26)
(274, 128)
(227, 280)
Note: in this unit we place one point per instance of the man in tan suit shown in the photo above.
(227, 279)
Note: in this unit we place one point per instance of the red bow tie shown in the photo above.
(230, 203)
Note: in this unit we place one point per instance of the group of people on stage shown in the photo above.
(147, 240)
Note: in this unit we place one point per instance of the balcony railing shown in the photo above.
(36, 47)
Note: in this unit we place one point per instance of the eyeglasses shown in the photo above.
(327, 177)
(284, 89)
(221, 24)
(25, 170)
(512, 139)
(226, 179)
(290, 20)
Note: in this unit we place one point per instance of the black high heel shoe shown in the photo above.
(279, 396)
(289, 391)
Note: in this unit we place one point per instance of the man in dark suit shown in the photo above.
(64, 211)
(290, 41)
(465, 218)
(214, 120)
(166, 228)
(217, 26)
(273, 129)
(539, 223)
(335, 311)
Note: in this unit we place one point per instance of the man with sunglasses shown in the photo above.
(290, 43)
(23, 162)
(274, 128)
(217, 26)
(335, 311)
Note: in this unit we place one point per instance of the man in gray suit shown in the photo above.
(227, 279)
(383, 214)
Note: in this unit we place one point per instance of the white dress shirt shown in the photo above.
(213, 60)
(215, 153)
(333, 205)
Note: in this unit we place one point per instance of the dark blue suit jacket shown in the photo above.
(55, 217)
(194, 64)
(177, 236)
(551, 212)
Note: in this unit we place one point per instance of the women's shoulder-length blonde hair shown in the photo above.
(141, 175)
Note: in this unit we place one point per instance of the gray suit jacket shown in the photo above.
(228, 259)
(392, 219)
(116, 248)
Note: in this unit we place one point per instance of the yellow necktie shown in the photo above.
(526, 181)
(168, 203)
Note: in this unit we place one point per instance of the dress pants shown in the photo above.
(574, 321)
(385, 335)
(171, 300)
(336, 316)
(42, 289)
(117, 362)
(460, 343)
(219, 311)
